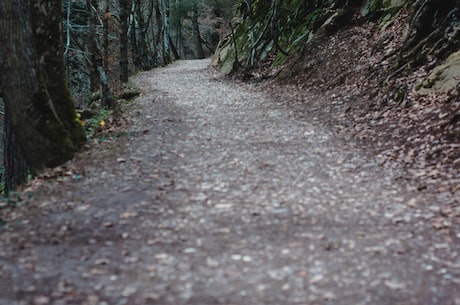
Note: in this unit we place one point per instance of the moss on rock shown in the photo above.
(444, 78)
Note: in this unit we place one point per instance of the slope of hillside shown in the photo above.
(344, 78)
(387, 76)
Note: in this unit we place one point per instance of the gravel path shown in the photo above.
(220, 194)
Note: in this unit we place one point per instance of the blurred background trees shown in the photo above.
(105, 41)
(65, 61)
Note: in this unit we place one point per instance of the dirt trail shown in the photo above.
(219, 194)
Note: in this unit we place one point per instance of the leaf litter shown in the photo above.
(224, 204)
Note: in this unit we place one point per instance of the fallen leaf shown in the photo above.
(161, 256)
(102, 261)
(131, 260)
(395, 285)
(97, 271)
(412, 203)
(128, 215)
(108, 224)
(211, 262)
(41, 300)
(224, 206)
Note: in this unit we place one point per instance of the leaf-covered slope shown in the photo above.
(385, 73)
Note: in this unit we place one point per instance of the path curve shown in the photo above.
(220, 194)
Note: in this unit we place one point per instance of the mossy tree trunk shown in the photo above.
(38, 104)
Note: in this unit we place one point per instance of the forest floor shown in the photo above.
(218, 193)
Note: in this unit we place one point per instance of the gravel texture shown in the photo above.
(220, 194)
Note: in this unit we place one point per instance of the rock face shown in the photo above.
(224, 57)
(444, 78)
(393, 3)
(287, 32)
(372, 6)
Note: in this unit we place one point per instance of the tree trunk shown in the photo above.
(165, 31)
(124, 25)
(97, 71)
(141, 53)
(179, 44)
(91, 46)
(252, 35)
(196, 33)
(40, 110)
(14, 162)
(106, 43)
(159, 19)
(173, 49)
(67, 44)
(133, 31)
